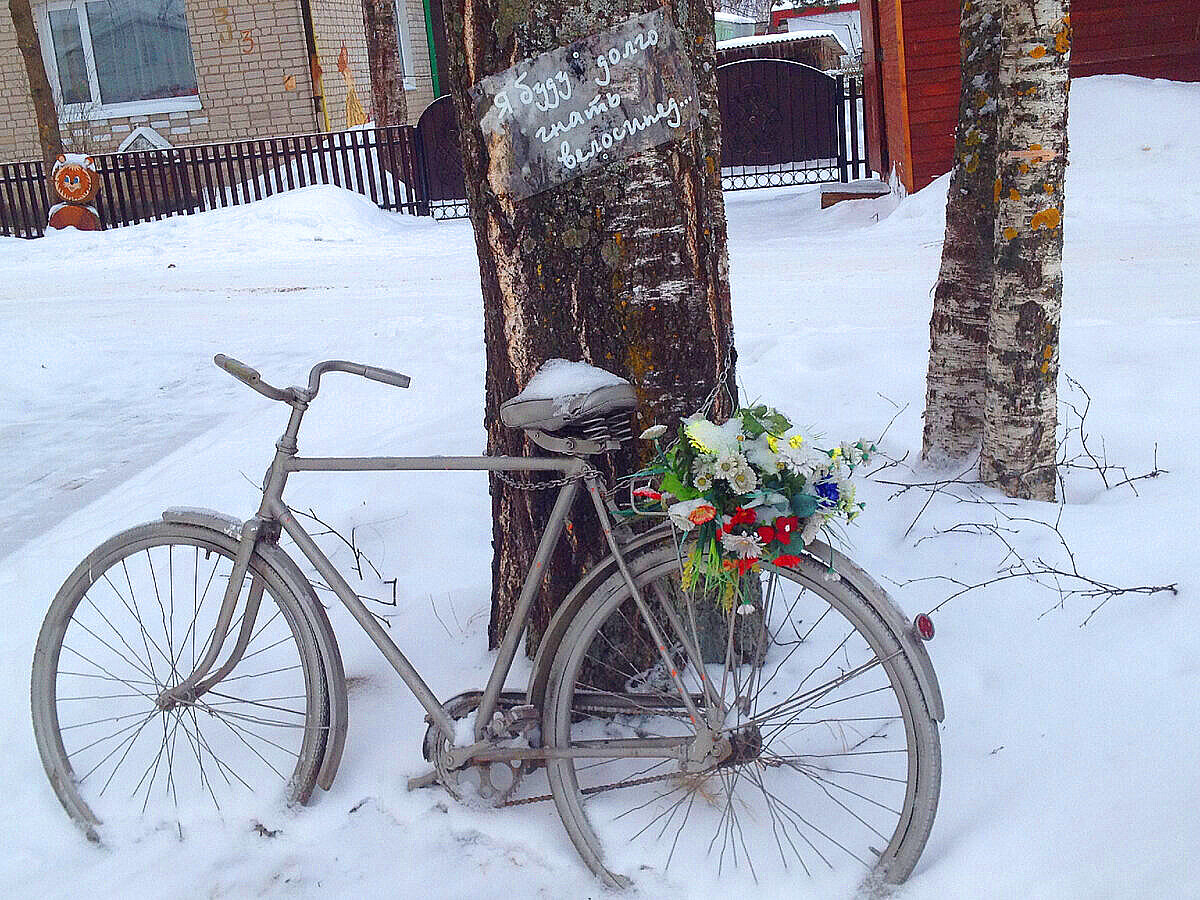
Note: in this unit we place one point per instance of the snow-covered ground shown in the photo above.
(1071, 754)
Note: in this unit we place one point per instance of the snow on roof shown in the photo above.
(722, 16)
(806, 9)
(781, 38)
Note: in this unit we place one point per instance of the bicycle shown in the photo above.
(806, 734)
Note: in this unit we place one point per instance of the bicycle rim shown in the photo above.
(132, 621)
(833, 765)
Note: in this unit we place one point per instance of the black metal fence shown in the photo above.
(380, 163)
(787, 123)
(782, 123)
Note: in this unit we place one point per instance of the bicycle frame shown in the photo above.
(273, 515)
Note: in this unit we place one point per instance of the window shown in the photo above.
(403, 47)
(119, 57)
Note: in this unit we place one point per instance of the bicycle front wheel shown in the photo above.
(131, 622)
(831, 764)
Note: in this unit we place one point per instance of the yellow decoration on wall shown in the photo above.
(1010, 233)
(355, 114)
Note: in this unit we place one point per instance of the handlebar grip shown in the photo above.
(387, 376)
(238, 370)
(249, 377)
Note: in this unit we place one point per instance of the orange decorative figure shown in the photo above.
(76, 182)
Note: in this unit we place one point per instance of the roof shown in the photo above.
(722, 16)
(784, 37)
(805, 9)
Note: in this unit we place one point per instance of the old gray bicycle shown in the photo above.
(186, 670)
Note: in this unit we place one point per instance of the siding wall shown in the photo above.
(244, 52)
(1152, 38)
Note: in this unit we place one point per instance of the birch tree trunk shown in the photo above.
(1018, 452)
(624, 267)
(388, 101)
(49, 136)
(962, 299)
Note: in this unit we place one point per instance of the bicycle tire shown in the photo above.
(124, 647)
(624, 815)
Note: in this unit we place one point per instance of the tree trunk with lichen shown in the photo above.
(389, 106)
(45, 111)
(1021, 415)
(624, 267)
(962, 299)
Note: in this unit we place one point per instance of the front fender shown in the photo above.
(331, 658)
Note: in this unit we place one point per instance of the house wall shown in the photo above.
(337, 24)
(1152, 38)
(419, 69)
(244, 53)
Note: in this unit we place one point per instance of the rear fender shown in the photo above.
(331, 657)
(872, 592)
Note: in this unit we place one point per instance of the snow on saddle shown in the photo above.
(576, 399)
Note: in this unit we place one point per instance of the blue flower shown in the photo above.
(828, 492)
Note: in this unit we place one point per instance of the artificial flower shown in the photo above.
(765, 533)
(687, 514)
(744, 546)
(784, 526)
(744, 480)
(654, 432)
(786, 560)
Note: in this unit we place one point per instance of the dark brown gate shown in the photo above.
(784, 122)
(442, 182)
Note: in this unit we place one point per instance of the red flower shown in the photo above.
(784, 526)
(647, 494)
(742, 516)
(765, 533)
(745, 565)
(701, 514)
(786, 560)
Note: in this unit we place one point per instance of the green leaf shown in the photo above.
(803, 505)
(673, 485)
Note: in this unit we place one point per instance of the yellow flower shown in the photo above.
(796, 441)
(835, 452)
(773, 443)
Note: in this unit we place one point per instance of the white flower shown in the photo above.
(812, 527)
(745, 609)
(707, 437)
(744, 480)
(654, 432)
(687, 514)
(728, 464)
(804, 460)
(702, 481)
(760, 455)
(746, 546)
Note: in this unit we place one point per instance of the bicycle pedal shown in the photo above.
(421, 781)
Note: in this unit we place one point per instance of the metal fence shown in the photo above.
(380, 163)
(782, 123)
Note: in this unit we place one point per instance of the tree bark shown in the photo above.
(388, 101)
(624, 267)
(1018, 452)
(962, 299)
(45, 111)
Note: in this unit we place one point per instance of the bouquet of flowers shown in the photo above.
(752, 489)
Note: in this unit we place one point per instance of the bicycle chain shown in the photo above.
(593, 790)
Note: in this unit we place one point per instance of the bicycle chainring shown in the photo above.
(490, 783)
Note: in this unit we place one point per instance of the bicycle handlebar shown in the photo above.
(251, 378)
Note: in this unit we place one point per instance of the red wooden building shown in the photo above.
(911, 68)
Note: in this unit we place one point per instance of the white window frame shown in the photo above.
(80, 112)
(400, 11)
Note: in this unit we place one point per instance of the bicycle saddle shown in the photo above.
(562, 393)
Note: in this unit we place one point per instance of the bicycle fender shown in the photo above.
(331, 657)
(900, 625)
(539, 678)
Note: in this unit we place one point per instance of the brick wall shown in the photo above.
(247, 53)
(419, 69)
(337, 23)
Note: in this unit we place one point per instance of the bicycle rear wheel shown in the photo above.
(832, 766)
(131, 621)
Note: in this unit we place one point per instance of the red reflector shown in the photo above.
(923, 625)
